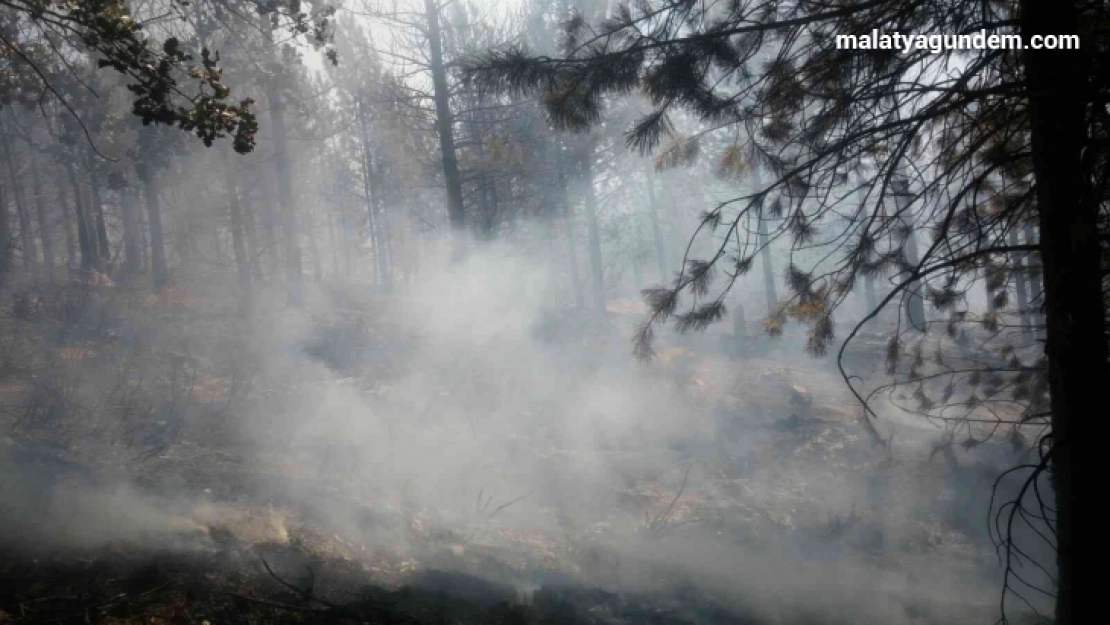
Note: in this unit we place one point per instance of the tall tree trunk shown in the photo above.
(291, 247)
(250, 229)
(1074, 308)
(444, 124)
(870, 298)
(5, 236)
(132, 260)
(368, 191)
(656, 227)
(238, 244)
(568, 226)
(1017, 268)
(85, 237)
(96, 214)
(597, 270)
(26, 234)
(1036, 289)
(313, 248)
(67, 226)
(915, 302)
(46, 231)
(765, 251)
(157, 238)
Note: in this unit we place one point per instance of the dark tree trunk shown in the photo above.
(765, 251)
(157, 239)
(85, 237)
(26, 233)
(1074, 308)
(915, 302)
(445, 126)
(132, 259)
(5, 236)
(96, 214)
(67, 226)
(238, 244)
(46, 230)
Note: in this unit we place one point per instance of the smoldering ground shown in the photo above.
(470, 425)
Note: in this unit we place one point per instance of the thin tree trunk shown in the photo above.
(26, 234)
(1036, 289)
(1021, 287)
(444, 125)
(368, 191)
(284, 177)
(765, 251)
(132, 260)
(242, 262)
(254, 254)
(67, 226)
(915, 303)
(157, 238)
(594, 237)
(1076, 347)
(46, 232)
(656, 227)
(96, 215)
(572, 255)
(85, 238)
(5, 236)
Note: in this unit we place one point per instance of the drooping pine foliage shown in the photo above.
(868, 150)
(172, 82)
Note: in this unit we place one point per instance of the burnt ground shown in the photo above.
(251, 553)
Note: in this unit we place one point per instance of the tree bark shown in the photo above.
(1074, 309)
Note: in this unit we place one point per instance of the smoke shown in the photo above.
(459, 421)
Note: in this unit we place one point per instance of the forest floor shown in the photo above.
(243, 549)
